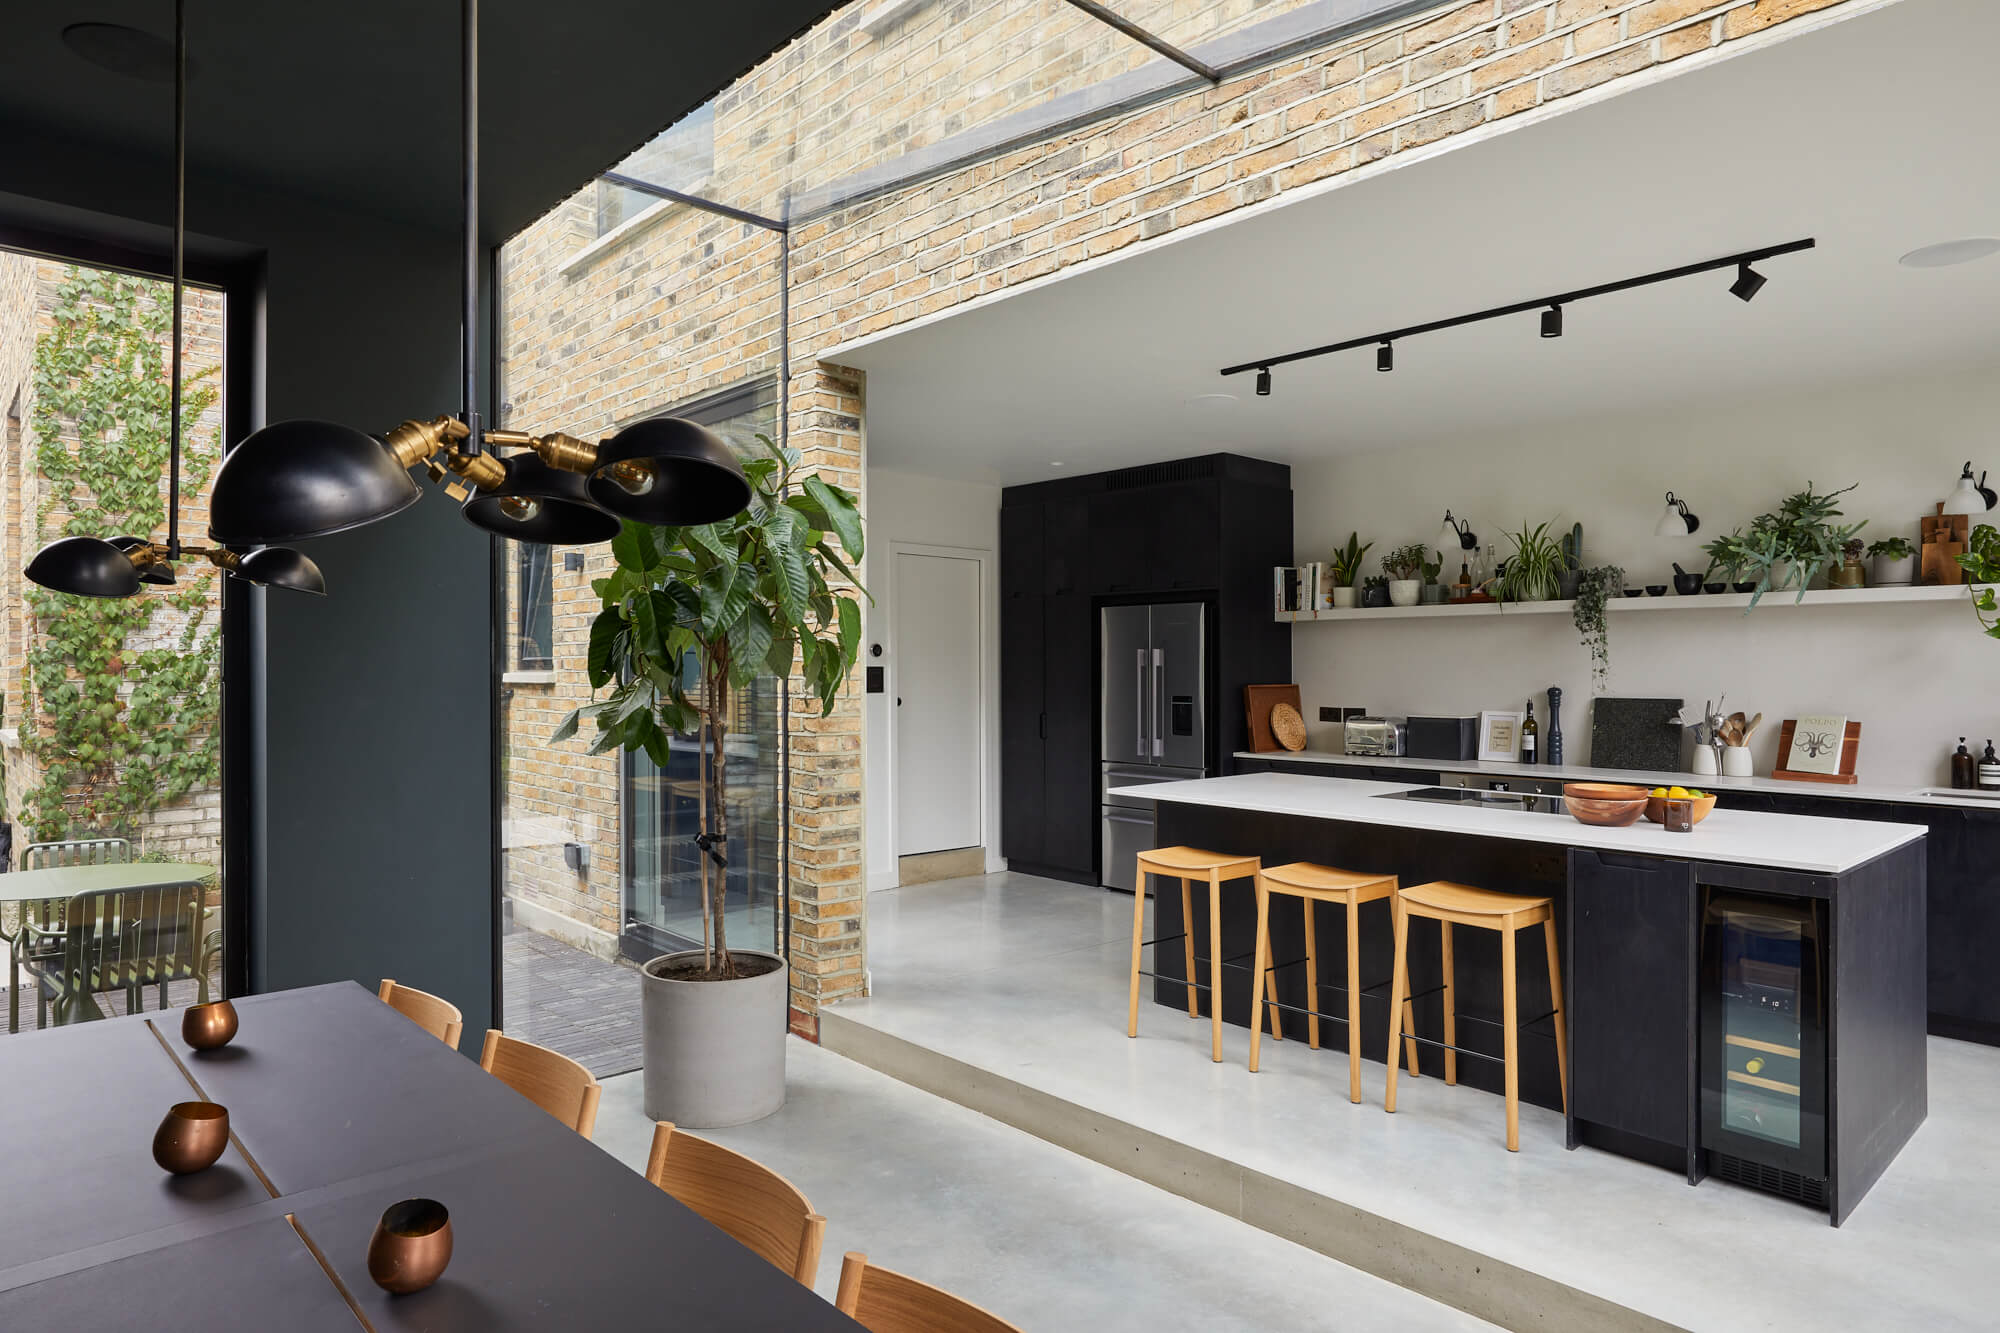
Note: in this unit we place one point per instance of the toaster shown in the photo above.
(1374, 735)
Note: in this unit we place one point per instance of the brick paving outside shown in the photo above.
(571, 1001)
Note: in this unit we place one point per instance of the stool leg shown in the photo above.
(1187, 947)
(1511, 1038)
(1353, 1000)
(1450, 1004)
(1259, 961)
(1399, 985)
(1138, 938)
(1556, 998)
(1271, 993)
(1312, 975)
(1215, 967)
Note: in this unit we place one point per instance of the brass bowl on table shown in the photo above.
(1606, 804)
(1656, 807)
(191, 1138)
(411, 1246)
(209, 1027)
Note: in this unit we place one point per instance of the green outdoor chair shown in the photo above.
(47, 914)
(119, 939)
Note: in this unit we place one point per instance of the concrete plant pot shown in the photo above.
(715, 1050)
(1404, 592)
(1893, 570)
(1343, 598)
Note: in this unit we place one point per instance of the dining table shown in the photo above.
(338, 1107)
(60, 883)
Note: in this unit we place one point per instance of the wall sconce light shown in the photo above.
(1675, 520)
(1969, 496)
(1456, 532)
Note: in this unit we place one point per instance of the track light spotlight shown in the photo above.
(1263, 381)
(1552, 322)
(1385, 357)
(1748, 283)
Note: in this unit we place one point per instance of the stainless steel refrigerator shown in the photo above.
(1152, 681)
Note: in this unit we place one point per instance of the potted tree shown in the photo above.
(689, 615)
(1405, 566)
(1346, 564)
(1895, 561)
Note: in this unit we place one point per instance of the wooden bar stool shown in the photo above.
(1185, 863)
(1311, 884)
(1451, 904)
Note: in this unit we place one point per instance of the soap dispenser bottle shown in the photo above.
(1989, 769)
(1964, 768)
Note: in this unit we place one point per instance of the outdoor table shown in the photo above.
(64, 882)
(340, 1107)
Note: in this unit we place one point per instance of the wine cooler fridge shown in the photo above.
(1763, 1042)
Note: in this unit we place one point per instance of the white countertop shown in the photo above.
(1837, 791)
(1732, 837)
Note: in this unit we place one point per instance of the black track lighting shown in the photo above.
(1748, 283)
(1552, 322)
(1263, 381)
(1385, 358)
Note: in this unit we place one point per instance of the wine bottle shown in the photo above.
(1529, 735)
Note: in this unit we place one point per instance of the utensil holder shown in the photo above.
(1704, 761)
(1736, 761)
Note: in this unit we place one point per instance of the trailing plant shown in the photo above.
(1799, 534)
(121, 694)
(1594, 590)
(1895, 548)
(1532, 572)
(691, 613)
(1347, 559)
(1405, 562)
(1981, 562)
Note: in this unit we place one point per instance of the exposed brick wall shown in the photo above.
(676, 302)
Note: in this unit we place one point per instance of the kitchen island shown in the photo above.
(1658, 931)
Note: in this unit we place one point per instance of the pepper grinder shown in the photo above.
(1964, 768)
(1555, 745)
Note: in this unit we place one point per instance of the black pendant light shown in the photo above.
(670, 472)
(298, 479)
(539, 503)
(84, 567)
(140, 552)
(279, 567)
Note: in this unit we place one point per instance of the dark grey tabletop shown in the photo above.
(345, 1107)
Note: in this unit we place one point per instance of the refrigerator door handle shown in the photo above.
(1159, 703)
(1139, 703)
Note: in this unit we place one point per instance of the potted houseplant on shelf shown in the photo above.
(1895, 561)
(1594, 590)
(1532, 573)
(1375, 590)
(1405, 567)
(689, 616)
(1346, 565)
(1433, 591)
(1790, 545)
(1850, 573)
(1981, 563)
(1571, 573)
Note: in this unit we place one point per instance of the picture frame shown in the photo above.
(1500, 735)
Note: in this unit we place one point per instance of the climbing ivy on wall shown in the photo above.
(122, 694)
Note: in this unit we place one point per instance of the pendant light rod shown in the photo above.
(1145, 37)
(1747, 257)
(625, 182)
(469, 315)
(180, 281)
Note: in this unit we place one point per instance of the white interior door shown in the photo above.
(936, 672)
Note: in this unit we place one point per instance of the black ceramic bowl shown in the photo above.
(1715, 587)
(1635, 592)
(1656, 590)
(1687, 585)
(1751, 586)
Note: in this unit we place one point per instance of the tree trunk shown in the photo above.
(717, 667)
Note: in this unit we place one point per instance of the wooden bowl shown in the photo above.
(1656, 808)
(1607, 804)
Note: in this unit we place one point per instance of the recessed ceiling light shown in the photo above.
(132, 52)
(1213, 401)
(1055, 465)
(1946, 253)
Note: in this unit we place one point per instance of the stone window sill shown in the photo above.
(527, 677)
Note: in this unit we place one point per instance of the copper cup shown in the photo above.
(207, 1027)
(192, 1137)
(411, 1246)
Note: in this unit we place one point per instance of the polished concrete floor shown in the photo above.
(1042, 1237)
(1008, 993)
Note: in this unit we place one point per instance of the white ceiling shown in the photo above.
(1874, 135)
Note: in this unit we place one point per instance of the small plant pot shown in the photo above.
(1895, 570)
(1405, 592)
(1850, 574)
(1566, 584)
(1433, 594)
(1343, 599)
(1375, 595)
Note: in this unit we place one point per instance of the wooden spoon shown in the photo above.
(1752, 726)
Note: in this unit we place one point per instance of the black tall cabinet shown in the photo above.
(1206, 529)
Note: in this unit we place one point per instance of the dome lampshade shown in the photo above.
(84, 567)
(298, 479)
(670, 472)
(539, 503)
(281, 567)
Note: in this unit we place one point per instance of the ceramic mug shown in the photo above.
(1736, 761)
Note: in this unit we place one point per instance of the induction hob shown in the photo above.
(1481, 798)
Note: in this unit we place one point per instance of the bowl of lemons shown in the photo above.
(1657, 798)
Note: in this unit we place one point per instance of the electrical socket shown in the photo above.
(1329, 714)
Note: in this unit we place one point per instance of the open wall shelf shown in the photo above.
(1737, 601)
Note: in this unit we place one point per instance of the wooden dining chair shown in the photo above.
(757, 1207)
(885, 1302)
(554, 1082)
(438, 1017)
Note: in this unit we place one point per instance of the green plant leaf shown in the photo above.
(840, 512)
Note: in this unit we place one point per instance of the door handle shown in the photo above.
(1139, 703)
(1159, 703)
